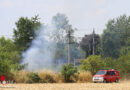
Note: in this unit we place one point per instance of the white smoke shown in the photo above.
(39, 55)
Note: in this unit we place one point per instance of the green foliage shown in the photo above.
(76, 52)
(68, 71)
(123, 64)
(25, 32)
(92, 64)
(110, 44)
(8, 50)
(95, 63)
(9, 57)
(111, 63)
(125, 50)
(4, 66)
(87, 44)
(33, 78)
(116, 36)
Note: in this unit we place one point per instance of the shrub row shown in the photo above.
(48, 77)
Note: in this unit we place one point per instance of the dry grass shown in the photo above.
(71, 86)
(47, 76)
(20, 76)
(50, 77)
(84, 77)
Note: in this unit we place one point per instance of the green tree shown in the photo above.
(25, 31)
(92, 64)
(33, 77)
(123, 64)
(116, 37)
(8, 50)
(9, 57)
(87, 44)
(111, 63)
(68, 71)
(110, 44)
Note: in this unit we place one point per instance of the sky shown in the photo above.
(82, 14)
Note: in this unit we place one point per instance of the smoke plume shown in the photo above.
(40, 54)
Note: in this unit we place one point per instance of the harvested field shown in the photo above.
(124, 85)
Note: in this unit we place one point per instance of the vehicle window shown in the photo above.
(108, 73)
(101, 72)
(112, 73)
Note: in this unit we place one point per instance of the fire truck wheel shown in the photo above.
(117, 81)
(105, 81)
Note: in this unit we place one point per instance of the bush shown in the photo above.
(92, 64)
(123, 65)
(68, 71)
(84, 77)
(5, 68)
(111, 63)
(33, 77)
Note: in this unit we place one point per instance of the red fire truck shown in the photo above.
(106, 75)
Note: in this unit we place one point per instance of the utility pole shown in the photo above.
(68, 46)
(69, 33)
(93, 41)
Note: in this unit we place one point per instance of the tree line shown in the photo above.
(111, 47)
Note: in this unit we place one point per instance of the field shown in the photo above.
(123, 85)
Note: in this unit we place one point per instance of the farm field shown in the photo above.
(123, 85)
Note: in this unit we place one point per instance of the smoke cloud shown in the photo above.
(49, 48)
(40, 53)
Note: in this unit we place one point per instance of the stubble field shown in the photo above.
(123, 85)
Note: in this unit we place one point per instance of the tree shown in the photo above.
(93, 63)
(111, 63)
(68, 71)
(87, 44)
(61, 24)
(60, 36)
(25, 32)
(123, 64)
(110, 44)
(6, 66)
(115, 38)
(8, 51)
(9, 57)
(75, 51)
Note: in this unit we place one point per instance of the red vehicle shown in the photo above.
(106, 75)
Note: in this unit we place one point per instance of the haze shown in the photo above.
(82, 14)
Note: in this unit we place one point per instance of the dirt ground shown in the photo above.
(123, 85)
